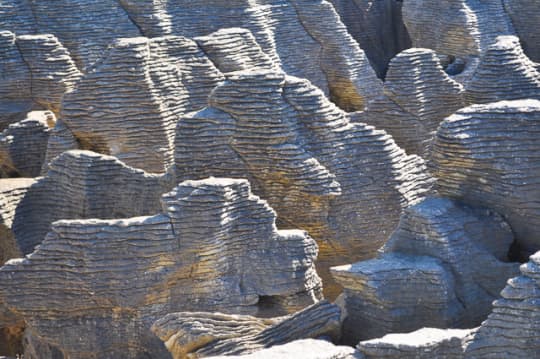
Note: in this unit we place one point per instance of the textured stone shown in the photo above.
(525, 16)
(23, 145)
(418, 96)
(442, 267)
(128, 105)
(504, 73)
(486, 155)
(94, 287)
(207, 334)
(305, 349)
(344, 183)
(377, 26)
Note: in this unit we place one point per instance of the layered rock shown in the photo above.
(83, 184)
(207, 334)
(377, 26)
(345, 183)
(94, 287)
(525, 15)
(23, 145)
(128, 105)
(485, 155)
(305, 349)
(418, 96)
(442, 267)
(504, 73)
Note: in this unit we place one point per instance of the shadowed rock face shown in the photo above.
(94, 287)
(525, 15)
(442, 267)
(486, 155)
(344, 183)
(199, 334)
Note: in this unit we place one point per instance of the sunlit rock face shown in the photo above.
(93, 288)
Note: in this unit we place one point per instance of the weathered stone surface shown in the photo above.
(305, 349)
(23, 145)
(377, 26)
(128, 105)
(486, 155)
(93, 287)
(344, 183)
(83, 184)
(206, 334)
(442, 267)
(426, 343)
(504, 73)
(525, 16)
(418, 96)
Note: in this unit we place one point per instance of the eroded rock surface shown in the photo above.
(93, 287)
(525, 15)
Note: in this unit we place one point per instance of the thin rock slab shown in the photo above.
(93, 288)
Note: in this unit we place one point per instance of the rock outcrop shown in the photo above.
(525, 15)
(94, 287)
(23, 145)
(343, 182)
(442, 267)
(485, 155)
(200, 335)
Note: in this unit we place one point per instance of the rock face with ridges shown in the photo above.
(129, 103)
(208, 334)
(418, 96)
(23, 145)
(525, 16)
(377, 26)
(504, 73)
(94, 287)
(486, 155)
(88, 185)
(442, 267)
(344, 183)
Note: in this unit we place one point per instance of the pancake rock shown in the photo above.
(328, 56)
(87, 185)
(504, 73)
(128, 105)
(23, 145)
(345, 183)
(377, 26)
(486, 155)
(525, 15)
(198, 334)
(419, 95)
(94, 287)
(305, 349)
(442, 267)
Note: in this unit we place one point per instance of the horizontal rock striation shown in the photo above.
(525, 15)
(485, 155)
(442, 267)
(344, 183)
(94, 287)
(129, 103)
(207, 334)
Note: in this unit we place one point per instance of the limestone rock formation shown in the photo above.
(305, 349)
(442, 267)
(207, 334)
(377, 26)
(504, 73)
(418, 96)
(525, 15)
(94, 287)
(83, 184)
(23, 145)
(128, 104)
(345, 183)
(485, 155)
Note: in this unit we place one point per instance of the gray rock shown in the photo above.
(525, 15)
(207, 334)
(442, 267)
(344, 183)
(485, 155)
(94, 287)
